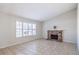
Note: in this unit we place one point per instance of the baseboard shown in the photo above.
(16, 43)
(63, 41)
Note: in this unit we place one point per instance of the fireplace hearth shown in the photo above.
(55, 35)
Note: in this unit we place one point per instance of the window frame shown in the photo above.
(25, 27)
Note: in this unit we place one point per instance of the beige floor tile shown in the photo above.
(41, 47)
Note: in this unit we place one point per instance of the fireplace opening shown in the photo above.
(54, 37)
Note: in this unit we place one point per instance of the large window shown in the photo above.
(29, 29)
(25, 29)
(34, 29)
(18, 29)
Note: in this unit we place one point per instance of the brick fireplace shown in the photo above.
(55, 35)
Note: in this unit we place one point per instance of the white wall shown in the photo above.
(8, 30)
(66, 22)
(78, 27)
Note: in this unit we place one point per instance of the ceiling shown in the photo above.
(36, 11)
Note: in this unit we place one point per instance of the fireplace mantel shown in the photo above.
(57, 33)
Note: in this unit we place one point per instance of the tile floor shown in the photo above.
(41, 47)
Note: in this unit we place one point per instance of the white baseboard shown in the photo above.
(16, 43)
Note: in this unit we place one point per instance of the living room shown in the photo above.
(38, 29)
